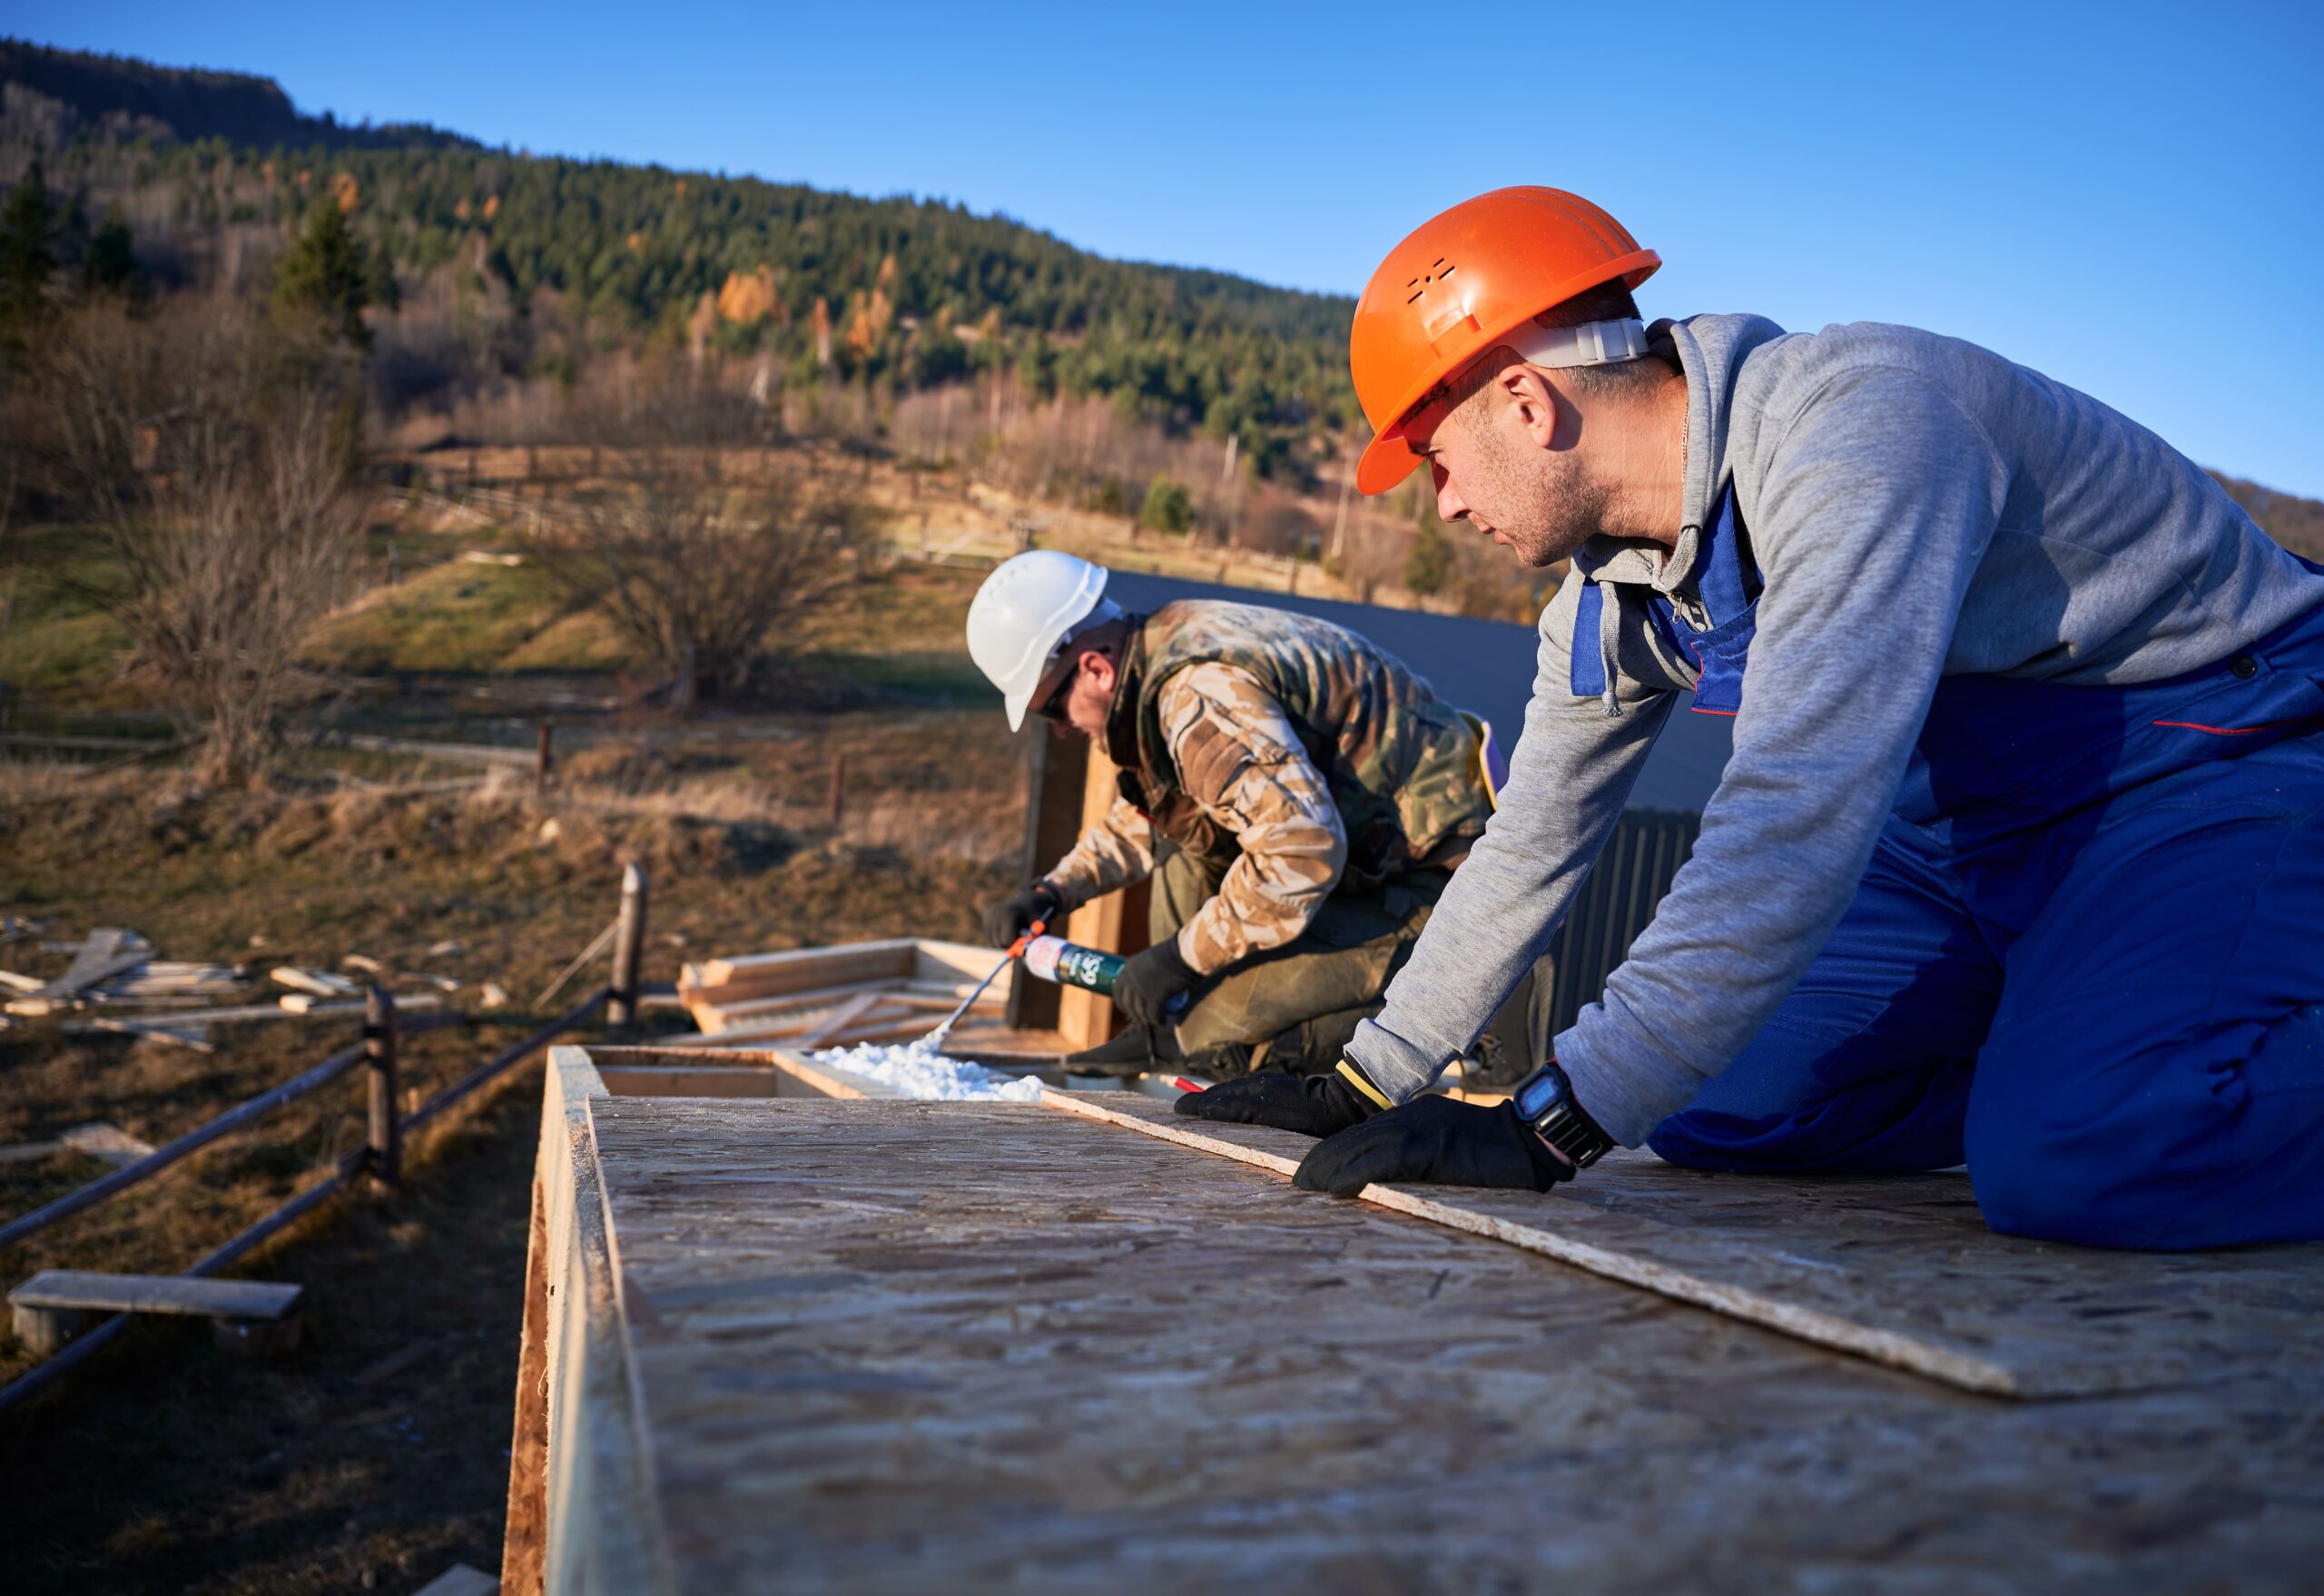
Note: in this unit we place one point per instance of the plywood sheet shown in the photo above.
(898, 1346)
(1900, 1269)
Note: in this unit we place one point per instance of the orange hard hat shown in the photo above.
(1458, 285)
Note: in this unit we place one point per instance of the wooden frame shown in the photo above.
(809, 1314)
(890, 990)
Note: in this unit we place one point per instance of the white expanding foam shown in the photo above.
(918, 1070)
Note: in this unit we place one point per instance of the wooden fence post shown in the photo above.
(629, 948)
(385, 1152)
(839, 787)
(542, 761)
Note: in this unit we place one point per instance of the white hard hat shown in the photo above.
(1026, 608)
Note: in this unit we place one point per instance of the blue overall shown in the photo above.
(2085, 958)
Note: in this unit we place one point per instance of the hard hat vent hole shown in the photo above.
(1436, 271)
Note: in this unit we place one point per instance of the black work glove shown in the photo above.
(1435, 1138)
(1153, 976)
(1007, 919)
(1312, 1105)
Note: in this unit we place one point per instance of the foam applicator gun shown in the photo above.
(934, 1040)
(1053, 959)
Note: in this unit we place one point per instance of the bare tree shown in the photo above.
(701, 548)
(215, 464)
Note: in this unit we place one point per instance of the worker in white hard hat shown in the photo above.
(1297, 796)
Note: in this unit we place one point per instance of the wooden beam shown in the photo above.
(108, 951)
(796, 968)
(157, 1294)
(853, 1009)
(1056, 775)
(1087, 1018)
(663, 1080)
(57, 1304)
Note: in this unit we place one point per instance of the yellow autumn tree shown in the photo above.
(748, 301)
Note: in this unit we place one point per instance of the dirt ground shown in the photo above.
(376, 1456)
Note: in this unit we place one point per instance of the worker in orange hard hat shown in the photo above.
(2019, 853)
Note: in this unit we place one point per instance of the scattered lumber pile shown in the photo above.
(178, 999)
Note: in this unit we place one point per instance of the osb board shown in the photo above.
(898, 1346)
(1900, 1269)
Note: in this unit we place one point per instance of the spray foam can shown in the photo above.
(1054, 959)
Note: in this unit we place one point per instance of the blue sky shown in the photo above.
(2128, 196)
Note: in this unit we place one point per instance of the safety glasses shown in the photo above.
(1052, 708)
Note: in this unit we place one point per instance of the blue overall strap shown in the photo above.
(1589, 665)
(1727, 587)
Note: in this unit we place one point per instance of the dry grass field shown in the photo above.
(375, 1456)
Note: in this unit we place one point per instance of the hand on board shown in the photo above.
(1147, 984)
(1434, 1138)
(1312, 1105)
(1007, 919)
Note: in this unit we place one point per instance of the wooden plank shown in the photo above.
(150, 1030)
(1087, 1018)
(837, 1022)
(187, 1018)
(720, 1016)
(1055, 778)
(315, 983)
(157, 1294)
(663, 1080)
(715, 1018)
(108, 951)
(1027, 1353)
(952, 963)
(797, 969)
(108, 1143)
(586, 1519)
(802, 1077)
(1899, 1269)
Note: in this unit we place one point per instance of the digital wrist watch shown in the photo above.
(1544, 1100)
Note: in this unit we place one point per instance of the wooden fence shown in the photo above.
(381, 1158)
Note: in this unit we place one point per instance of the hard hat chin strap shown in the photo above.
(1592, 343)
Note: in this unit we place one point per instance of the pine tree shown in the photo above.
(27, 253)
(109, 265)
(327, 274)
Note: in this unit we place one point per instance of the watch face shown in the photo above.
(1537, 1094)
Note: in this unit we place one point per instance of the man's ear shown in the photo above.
(1534, 402)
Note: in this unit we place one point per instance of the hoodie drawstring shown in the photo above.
(1608, 633)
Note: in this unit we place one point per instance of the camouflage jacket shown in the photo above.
(1287, 751)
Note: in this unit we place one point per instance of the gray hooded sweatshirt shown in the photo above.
(1918, 507)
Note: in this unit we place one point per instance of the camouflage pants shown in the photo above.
(1295, 1007)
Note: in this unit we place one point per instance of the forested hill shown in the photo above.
(135, 96)
(833, 287)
